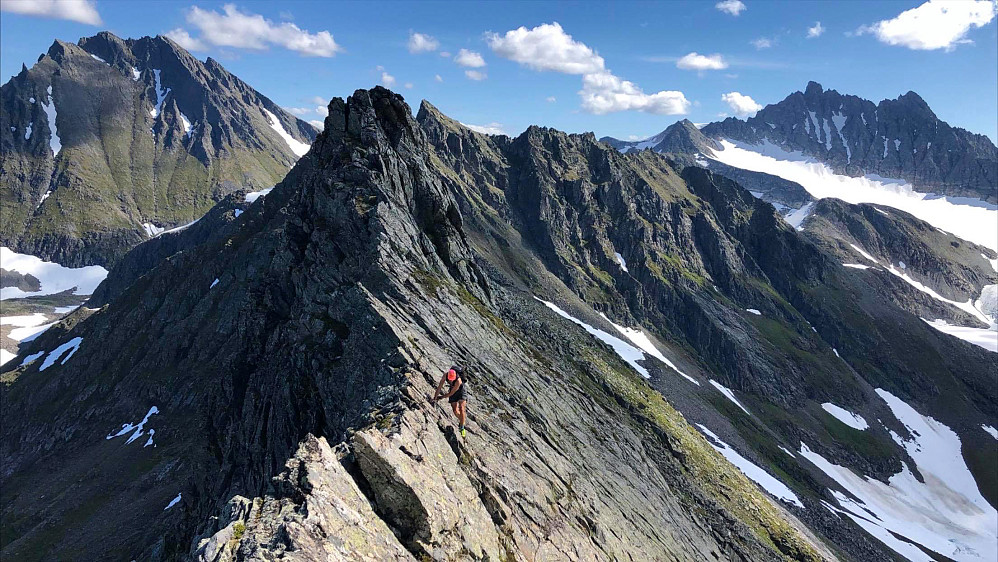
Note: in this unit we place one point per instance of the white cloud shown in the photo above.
(740, 104)
(421, 43)
(445, 54)
(733, 7)
(550, 99)
(933, 25)
(605, 93)
(489, 129)
(321, 110)
(243, 30)
(408, 85)
(438, 78)
(387, 80)
(319, 100)
(469, 59)
(299, 111)
(184, 39)
(546, 47)
(318, 124)
(815, 31)
(82, 11)
(696, 61)
(475, 75)
(762, 43)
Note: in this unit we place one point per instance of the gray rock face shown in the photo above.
(107, 135)
(400, 246)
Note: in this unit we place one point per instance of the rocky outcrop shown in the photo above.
(104, 137)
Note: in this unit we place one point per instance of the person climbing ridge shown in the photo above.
(456, 394)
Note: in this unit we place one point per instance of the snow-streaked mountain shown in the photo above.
(108, 141)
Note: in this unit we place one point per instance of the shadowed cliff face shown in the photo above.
(105, 136)
(291, 415)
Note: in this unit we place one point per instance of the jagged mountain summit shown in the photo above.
(900, 138)
(255, 387)
(109, 141)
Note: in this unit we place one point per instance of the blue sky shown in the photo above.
(625, 57)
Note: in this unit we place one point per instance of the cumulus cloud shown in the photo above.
(319, 100)
(408, 85)
(243, 30)
(475, 75)
(299, 111)
(546, 47)
(549, 47)
(469, 59)
(81, 11)
(696, 61)
(815, 31)
(321, 110)
(740, 104)
(438, 78)
(550, 99)
(733, 7)
(387, 80)
(421, 43)
(933, 25)
(184, 39)
(317, 124)
(762, 43)
(489, 129)
(605, 93)
(445, 54)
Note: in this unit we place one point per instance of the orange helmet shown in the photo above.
(451, 375)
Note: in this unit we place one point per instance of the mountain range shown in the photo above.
(663, 361)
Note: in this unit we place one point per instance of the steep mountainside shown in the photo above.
(899, 138)
(283, 361)
(109, 141)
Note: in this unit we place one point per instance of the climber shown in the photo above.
(456, 396)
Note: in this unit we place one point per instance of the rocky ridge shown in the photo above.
(291, 394)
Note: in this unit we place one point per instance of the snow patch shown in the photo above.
(796, 217)
(620, 260)
(885, 213)
(727, 392)
(254, 195)
(29, 333)
(44, 197)
(864, 254)
(854, 421)
(213, 283)
(982, 337)
(828, 134)
(186, 123)
(137, 430)
(754, 472)
(856, 265)
(23, 321)
(27, 131)
(160, 95)
(754, 311)
(991, 431)
(95, 57)
(970, 219)
(71, 346)
(53, 277)
(787, 451)
(31, 358)
(296, 146)
(641, 340)
(630, 354)
(173, 502)
(152, 230)
(839, 121)
(238, 212)
(993, 262)
(136, 74)
(6, 356)
(50, 115)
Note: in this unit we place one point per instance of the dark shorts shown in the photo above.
(457, 396)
